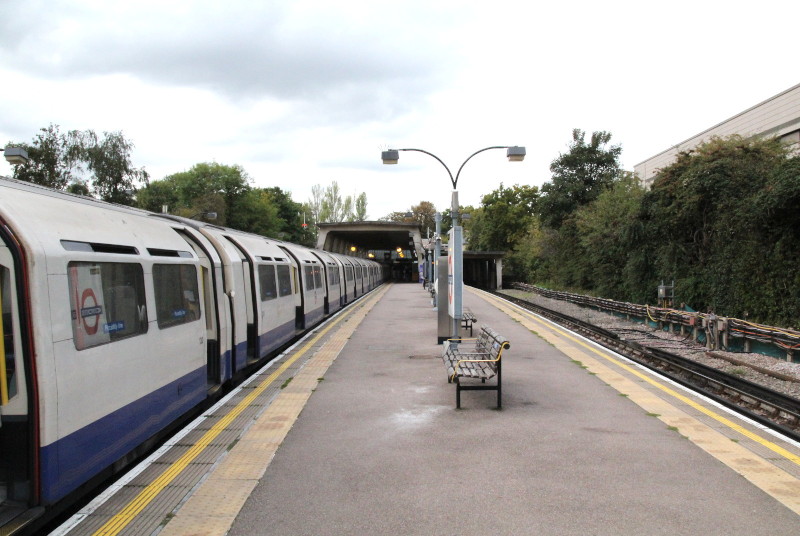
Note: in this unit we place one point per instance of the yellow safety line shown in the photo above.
(134, 507)
(719, 418)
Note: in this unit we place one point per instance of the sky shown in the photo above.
(302, 93)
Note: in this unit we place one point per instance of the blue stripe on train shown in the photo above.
(314, 316)
(74, 459)
(271, 340)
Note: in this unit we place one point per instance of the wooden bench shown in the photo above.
(475, 359)
(467, 319)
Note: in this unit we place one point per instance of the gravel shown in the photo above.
(744, 365)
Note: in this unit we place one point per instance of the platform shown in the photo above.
(365, 439)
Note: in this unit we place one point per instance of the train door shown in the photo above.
(16, 439)
(248, 275)
(210, 305)
(300, 298)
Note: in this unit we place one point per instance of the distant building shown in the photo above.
(778, 116)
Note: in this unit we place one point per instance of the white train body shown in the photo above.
(116, 322)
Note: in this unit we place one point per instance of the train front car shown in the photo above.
(105, 337)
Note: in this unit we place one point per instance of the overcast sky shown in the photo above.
(308, 92)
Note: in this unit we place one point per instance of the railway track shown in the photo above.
(766, 406)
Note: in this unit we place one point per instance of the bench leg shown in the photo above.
(458, 394)
(499, 384)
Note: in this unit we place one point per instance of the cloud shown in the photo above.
(329, 55)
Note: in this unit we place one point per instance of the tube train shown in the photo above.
(117, 321)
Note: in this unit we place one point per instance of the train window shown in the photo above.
(266, 278)
(8, 375)
(107, 302)
(177, 298)
(308, 273)
(318, 276)
(349, 271)
(284, 281)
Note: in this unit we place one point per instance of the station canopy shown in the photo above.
(368, 236)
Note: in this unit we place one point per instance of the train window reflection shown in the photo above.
(266, 278)
(318, 276)
(284, 281)
(107, 302)
(308, 273)
(177, 299)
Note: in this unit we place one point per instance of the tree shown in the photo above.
(423, 214)
(291, 219)
(54, 159)
(62, 161)
(255, 212)
(328, 205)
(159, 194)
(504, 218)
(361, 207)
(712, 222)
(210, 186)
(579, 176)
(114, 178)
(602, 228)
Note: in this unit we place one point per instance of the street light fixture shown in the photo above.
(15, 155)
(514, 153)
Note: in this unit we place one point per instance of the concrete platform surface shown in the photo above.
(380, 448)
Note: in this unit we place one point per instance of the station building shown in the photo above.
(777, 116)
(402, 250)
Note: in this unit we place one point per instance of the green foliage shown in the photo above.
(226, 191)
(423, 214)
(328, 205)
(579, 176)
(602, 230)
(525, 261)
(721, 221)
(504, 218)
(62, 161)
(54, 158)
(254, 211)
(108, 160)
(290, 218)
(718, 222)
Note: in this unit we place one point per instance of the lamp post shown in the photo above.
(455, 254)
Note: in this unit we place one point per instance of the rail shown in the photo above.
(718, 332)
(764, 405)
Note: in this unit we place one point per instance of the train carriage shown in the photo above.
(118, 322)
(114, 330)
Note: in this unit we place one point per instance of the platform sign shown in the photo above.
(455, 272)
